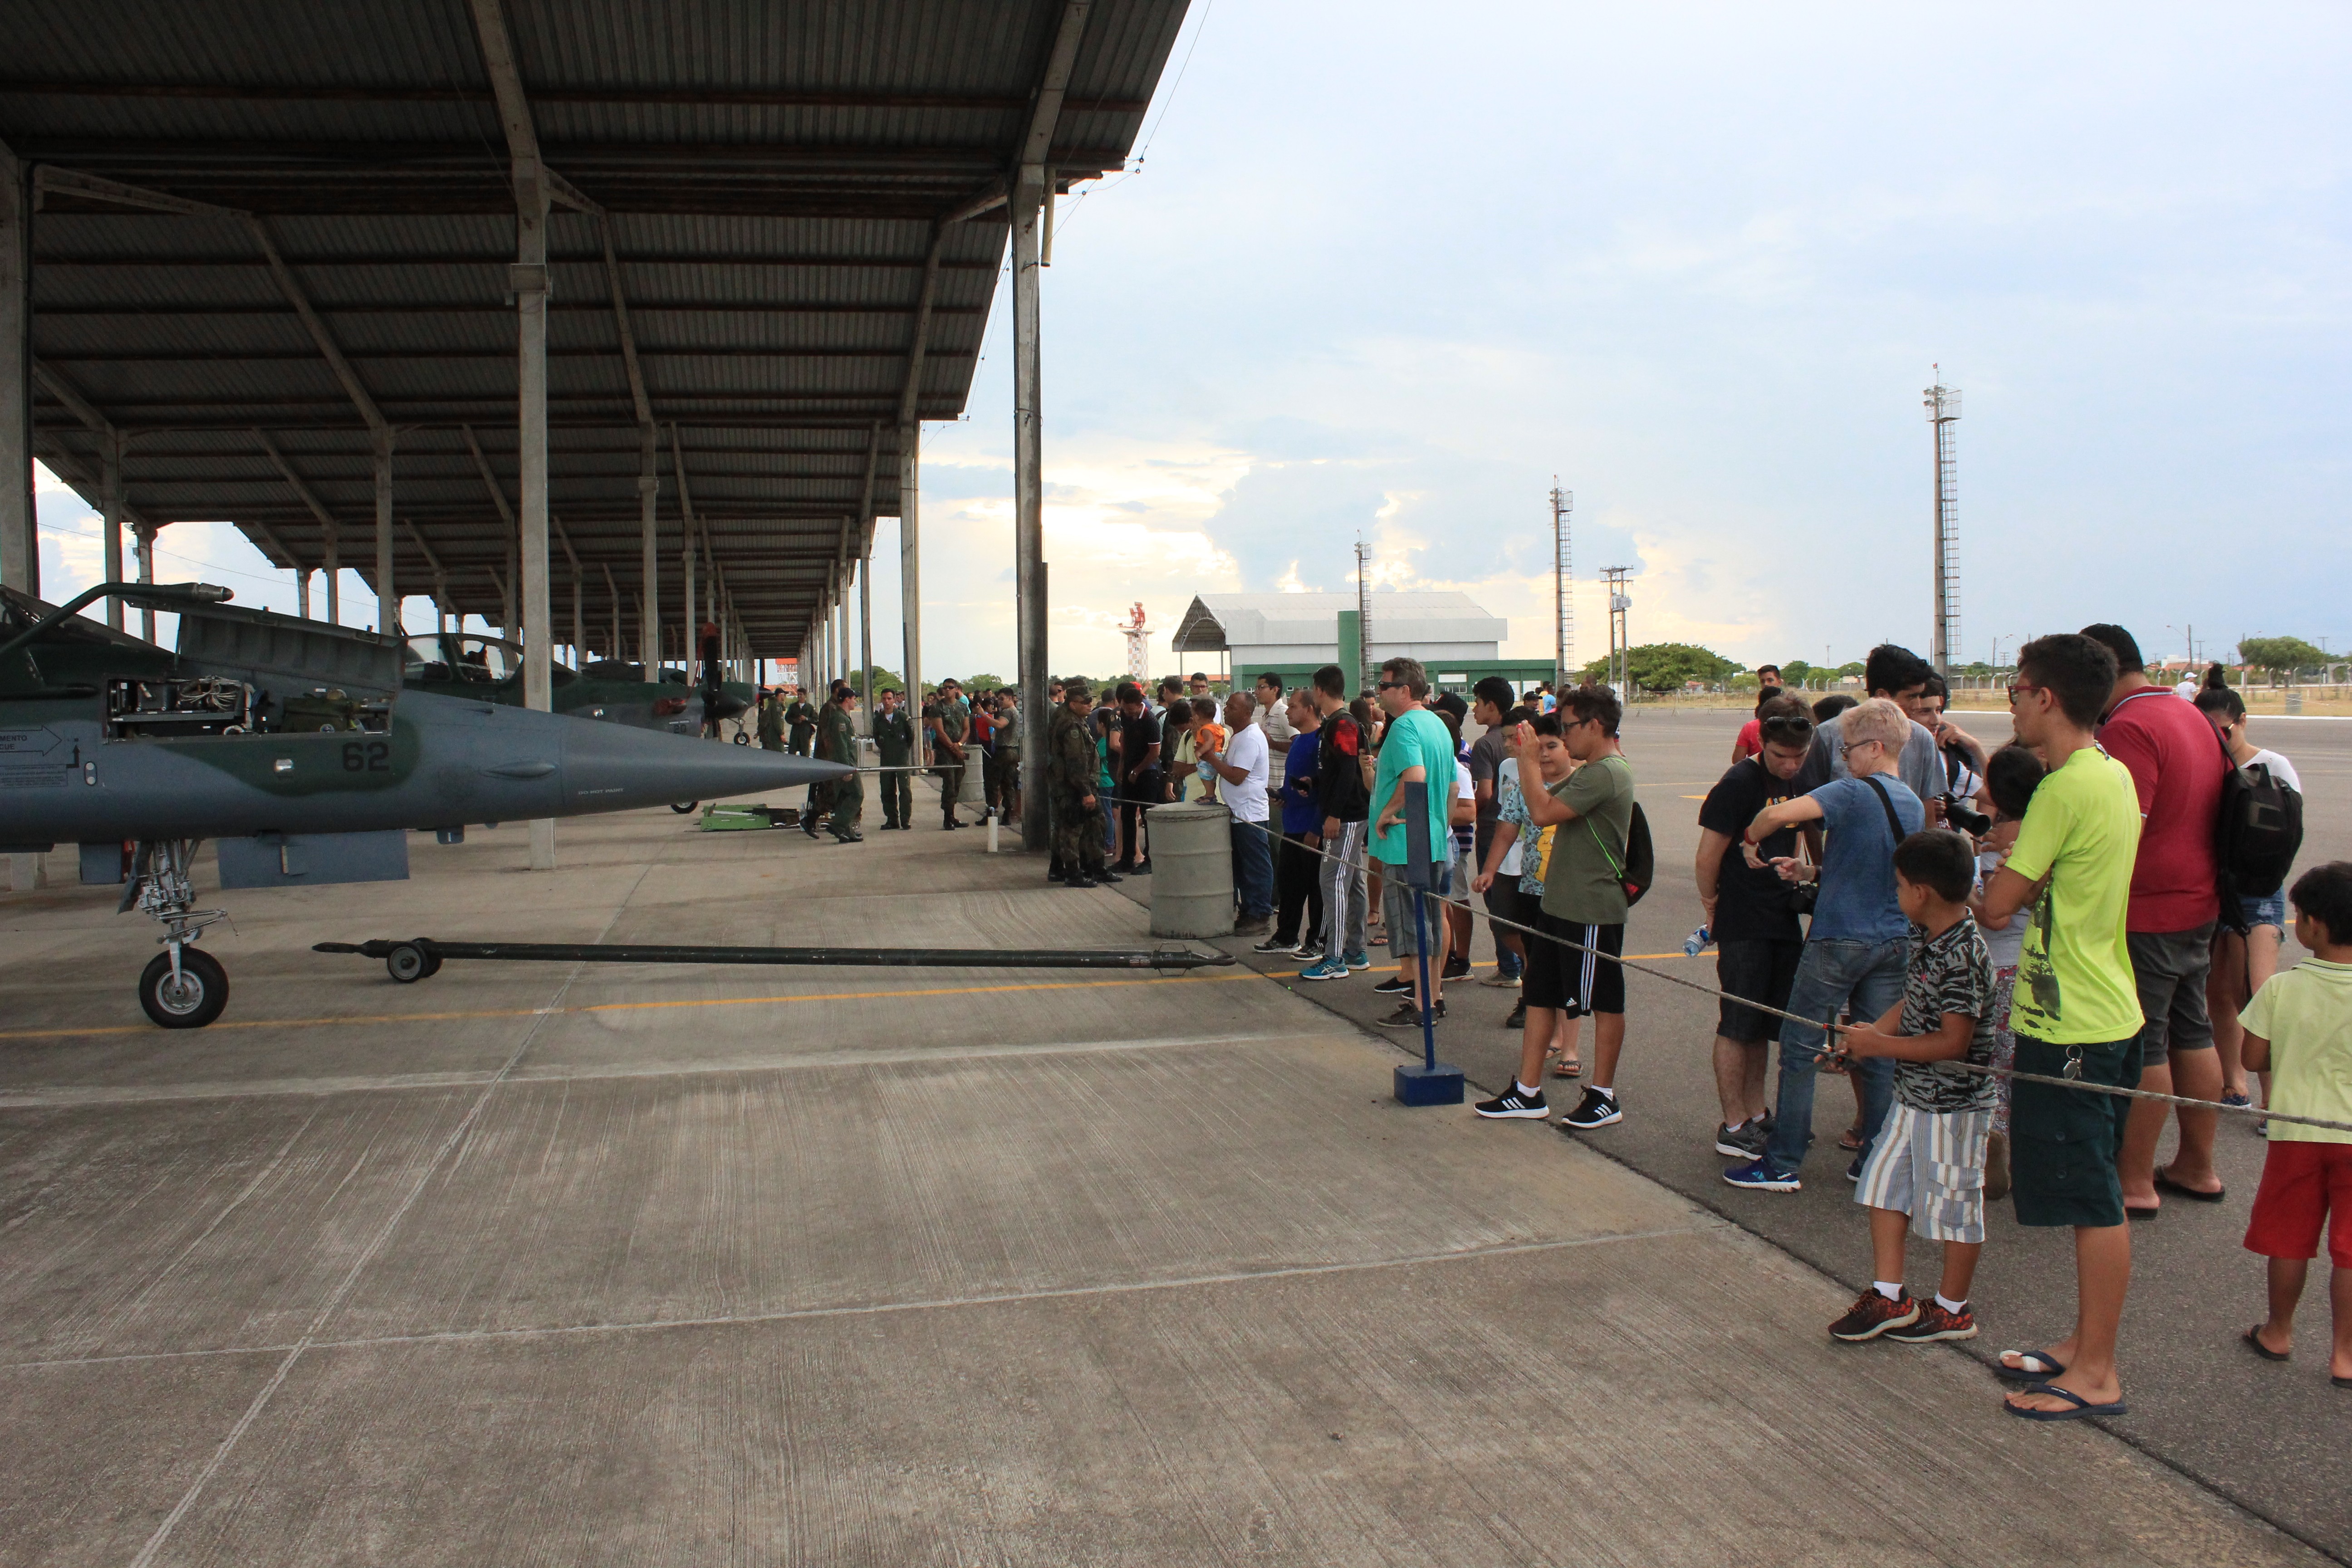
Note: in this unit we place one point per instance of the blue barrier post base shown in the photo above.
(1419, 1083)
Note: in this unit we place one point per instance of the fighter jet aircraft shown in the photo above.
(292, 743)
(490, 670)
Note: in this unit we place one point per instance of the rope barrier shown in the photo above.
(1830, 1029)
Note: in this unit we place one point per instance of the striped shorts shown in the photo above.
(1930, 1164)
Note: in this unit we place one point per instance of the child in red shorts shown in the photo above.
(2299, 1027)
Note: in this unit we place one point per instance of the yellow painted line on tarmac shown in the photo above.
(638, 1006)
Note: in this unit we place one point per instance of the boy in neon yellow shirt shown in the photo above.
(2074, 1013)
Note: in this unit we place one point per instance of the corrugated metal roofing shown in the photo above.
(772, 175)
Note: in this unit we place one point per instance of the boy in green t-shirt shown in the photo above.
(2074, 1012)
(1581, 926)
(2299, 1027)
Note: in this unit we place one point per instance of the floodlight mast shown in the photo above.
(1943, 405)
(1563, 581)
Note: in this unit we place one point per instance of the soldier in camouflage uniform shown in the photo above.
(1071, 768)
(837, 742)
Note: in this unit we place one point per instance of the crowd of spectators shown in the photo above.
(1891, 903)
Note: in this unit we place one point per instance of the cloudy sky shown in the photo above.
(1379, 274)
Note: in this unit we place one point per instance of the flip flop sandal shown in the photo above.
(1567, 1069)
(2032, 1368)
(2080, 1407)
(2254, 1337)
(2339, 1382)
(2131, 1212)
(2164, 1179)
(1851, 1140)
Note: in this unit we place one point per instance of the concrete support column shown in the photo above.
(528, 281)
(866, 623)
(910, 572)
(20, 553)
(648, 485)
(1028, 502)
(144, 544)
(110, 504)
(301, 591)
(685, 580)
(330, 545)
(387, 591)
(841, 635)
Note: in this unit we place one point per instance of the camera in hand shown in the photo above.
(1965, 817)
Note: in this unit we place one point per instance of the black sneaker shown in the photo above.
(1853, 1172)
(1106, 877)
(1512, 1106)
(1518, 1018)
(1408, 1017)
(1143, 867)
(1873, 1314)
(1078, 883)
(1934, 1324)
(1395, 986)
(1457, 967)
(1745, 1142)
(1274, 944)
(1596, 1110)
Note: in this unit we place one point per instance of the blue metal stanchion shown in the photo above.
(1428, 1081)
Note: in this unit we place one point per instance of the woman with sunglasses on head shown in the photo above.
(2241, 963)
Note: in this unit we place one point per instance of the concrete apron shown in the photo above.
(631, 1265)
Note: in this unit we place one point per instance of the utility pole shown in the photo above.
(1621, 638)
(1943, 404)
(1563, 582)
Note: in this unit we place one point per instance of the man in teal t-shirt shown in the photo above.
(1415, 748)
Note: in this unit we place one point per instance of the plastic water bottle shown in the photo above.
(1697, 941)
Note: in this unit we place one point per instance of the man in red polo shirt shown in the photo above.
(2169, 928)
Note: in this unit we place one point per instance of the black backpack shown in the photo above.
(2256, 833)
(1638, 873)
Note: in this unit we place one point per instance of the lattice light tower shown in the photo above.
(1943, 404)
(1138, 647)
(1363, 616)
(1563, 581)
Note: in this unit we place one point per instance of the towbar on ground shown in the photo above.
(417, 958)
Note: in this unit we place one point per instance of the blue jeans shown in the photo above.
(1253, 869)
(1867, 977)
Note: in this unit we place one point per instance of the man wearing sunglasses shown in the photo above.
(2075, 1012)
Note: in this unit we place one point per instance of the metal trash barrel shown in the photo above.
(1191, 871)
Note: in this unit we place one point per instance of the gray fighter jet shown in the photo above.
(292, 744)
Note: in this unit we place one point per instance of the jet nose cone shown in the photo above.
(611, 767)
(729, 707)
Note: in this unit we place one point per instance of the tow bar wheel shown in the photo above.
(189, 1000)
(409, 963)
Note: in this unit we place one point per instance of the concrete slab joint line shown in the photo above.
(333, 1304)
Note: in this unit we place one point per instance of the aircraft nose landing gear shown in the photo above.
(183, 986)
(187, 997)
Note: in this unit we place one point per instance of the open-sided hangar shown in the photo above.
(597, 320)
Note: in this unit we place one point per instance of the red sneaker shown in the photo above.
(1935, 1323)
(1873, 1314)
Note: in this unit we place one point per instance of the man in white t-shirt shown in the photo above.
(1272, 715)
(1242, 766)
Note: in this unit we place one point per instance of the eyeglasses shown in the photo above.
(1391, 686)
(2017, 686)
(1851, 747)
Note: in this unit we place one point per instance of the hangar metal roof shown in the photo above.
(759, 186)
